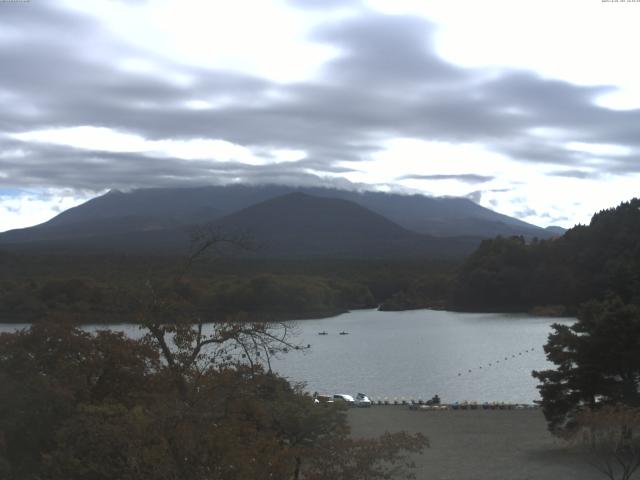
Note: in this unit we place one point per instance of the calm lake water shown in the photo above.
(416, 354)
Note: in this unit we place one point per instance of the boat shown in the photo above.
(344, 333)
(322, 333)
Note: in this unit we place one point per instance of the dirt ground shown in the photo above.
(479, 444)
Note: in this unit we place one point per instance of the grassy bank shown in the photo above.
(478, 444)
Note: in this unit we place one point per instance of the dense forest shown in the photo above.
(589, 262)
(551, 276)
(109, 288)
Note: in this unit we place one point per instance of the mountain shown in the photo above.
(291, 225)
(298, 224)
(438, 216)
(163, 208)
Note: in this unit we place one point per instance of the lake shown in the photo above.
(416, 354)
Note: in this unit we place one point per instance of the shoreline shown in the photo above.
(271, 317)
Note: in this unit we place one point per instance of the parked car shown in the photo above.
(341, 397)
(362, 400)
(322, 399)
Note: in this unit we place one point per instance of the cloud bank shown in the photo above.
(63, 71)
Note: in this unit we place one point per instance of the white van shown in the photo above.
(341, 397)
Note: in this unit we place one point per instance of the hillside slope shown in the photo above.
(297, 224)
(588, 262)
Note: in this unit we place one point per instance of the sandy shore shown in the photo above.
(479, 444)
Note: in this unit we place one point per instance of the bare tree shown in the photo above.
(190, 344)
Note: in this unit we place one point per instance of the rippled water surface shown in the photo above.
(416, 354)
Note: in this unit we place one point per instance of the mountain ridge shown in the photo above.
(136, 217)
(186, 203)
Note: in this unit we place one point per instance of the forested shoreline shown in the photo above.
(547, 277)
(589, 262)
(110, 289)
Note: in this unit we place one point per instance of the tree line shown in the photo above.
(590, 262)
(104, 289)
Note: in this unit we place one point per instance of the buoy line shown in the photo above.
(496, 362)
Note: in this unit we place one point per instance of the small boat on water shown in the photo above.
(344, 333)
(323, 333)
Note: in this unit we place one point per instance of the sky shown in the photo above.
(530, 108)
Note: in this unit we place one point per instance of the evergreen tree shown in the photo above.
(597, 363)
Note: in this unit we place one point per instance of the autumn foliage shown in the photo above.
(75, 405)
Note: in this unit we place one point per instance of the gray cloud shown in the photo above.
(322, 4)
(87, 170)
(475, 196)
(556, 219)
(62, 70)
(581, 174)
(526, 212)
(386, 52)
(471, 178)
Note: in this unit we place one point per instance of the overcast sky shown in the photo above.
(528, 107)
